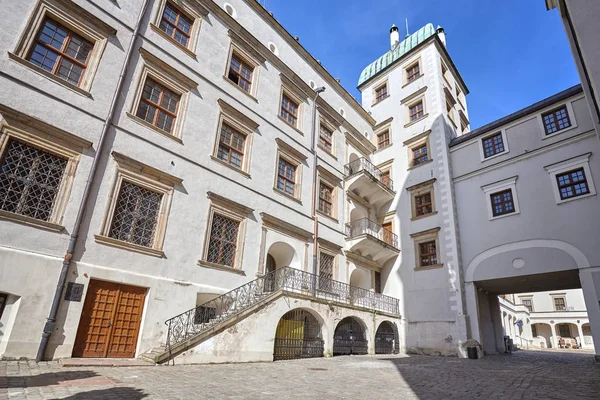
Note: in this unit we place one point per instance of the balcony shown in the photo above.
(370, 239)
(368, 182)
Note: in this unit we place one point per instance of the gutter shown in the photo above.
(51, 320)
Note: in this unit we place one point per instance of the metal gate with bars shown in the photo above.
(298, 335)
(384, 338)
(349, 338)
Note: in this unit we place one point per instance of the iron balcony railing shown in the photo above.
(205, 316)
(362, 164)
(365, 226)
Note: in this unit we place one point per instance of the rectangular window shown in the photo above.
(136, 215)
(3, 298)
(158, 106)
(286, 177)
(559, 304)
(572, 184)
(534, 331)
(383, 139)
(413, 72)
(177, 25)
(564, 331)
(325, 138)
(326, 199)
(493, 145)
(231, 146)
(387, 233)
(449, 109)
(385, 178)
(61, 52)
(427, 254)
(420, 155)
(30, 180)
(502, 203)
(381, 93)
(240, 73)
(377, 282)
(289, 110)
(223, 241)
(528, 303)
(325, 271)
(416, 111)
(556, 120)
(423, 204)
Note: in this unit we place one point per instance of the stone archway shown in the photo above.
(298, 335)
(350, 337)
(386, 338)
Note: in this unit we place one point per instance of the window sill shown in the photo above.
(416, 120)
(436, 266)
(244, 173)
(584, 196)
(327, 152)
(387, 146)
(414, 80)
(419, 165)
(494, 156)
(154, 128)
(380, 101)
(504, 215)
(175, 42)
(329, 217)
(128, 246)
(459, 101)
(240, 89)
(34, 222)
(207, 264)
(423, 216)
(290, 125)
(544, 136)
(297, 200)
(48, 75)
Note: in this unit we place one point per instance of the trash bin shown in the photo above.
(472, 353)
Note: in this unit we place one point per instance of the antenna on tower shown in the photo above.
(407, 34)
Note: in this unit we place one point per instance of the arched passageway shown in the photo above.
(386, 339)
(349, 338)
(298, 335)
(280, 255)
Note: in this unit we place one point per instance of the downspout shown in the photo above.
(315, 192)
(51, 320)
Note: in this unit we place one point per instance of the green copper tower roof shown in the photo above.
(398, 51)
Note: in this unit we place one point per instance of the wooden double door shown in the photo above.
(110, 321)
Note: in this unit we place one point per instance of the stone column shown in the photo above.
(590, 283)
(580, 334)
(554, 338)
(473, 311)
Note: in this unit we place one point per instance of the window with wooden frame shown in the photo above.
(493, 145)
(289, 110)
(422, 199)
(413, 72)
(225, 233)
(179, 21)
(502, 198)
(572, 184)
(502, 203)
(383, 139)
(160, 100)
(63, 42)
(288, 170)
(388, 233)
(138, 207)
(423, 204)
(556, 120)
(415, 111)
(231, 146)
(380, 93)
(419, 152)
(528, 303)
(240, 72)
(37, 169)
(286, 177)
(564, 330)
(420, 155)
(571, 179)
(326, 199)
(176, 24)
(560, 304)
(326, 138)
(385, 178)
(427, 254)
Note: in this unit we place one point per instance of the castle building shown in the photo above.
(202, 189)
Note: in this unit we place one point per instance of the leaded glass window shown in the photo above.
(223, 240)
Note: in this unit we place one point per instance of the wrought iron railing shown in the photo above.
(362, 164)
(365, 226)
(202, 318)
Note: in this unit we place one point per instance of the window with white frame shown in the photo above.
(64, 42)
(493, 145)
(138, 207)
(571, 179)
(501, 198)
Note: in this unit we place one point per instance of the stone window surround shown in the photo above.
(378, 86)
(422, 237)
(570, 112)
(582, 161)
(237, 120)
(410, 101)
(234, 211)
(558, 296)
(323, 120)
(191, 9)
(39, 135)
(381, 129)
(332, 181)
(297, 159)
(171, 79)
(495, 187)
(74, 18)
(323, 247)
(410, 64)
(288, 88)
(504, 144)
(529, 297)
(418, 190)
(139, 174)
(250, 56)
(415, 142)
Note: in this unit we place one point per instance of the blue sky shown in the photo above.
(510, 53)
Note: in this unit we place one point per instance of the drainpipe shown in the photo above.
(51, 320)
(319, 90)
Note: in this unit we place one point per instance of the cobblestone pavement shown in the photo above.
(522, 375)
